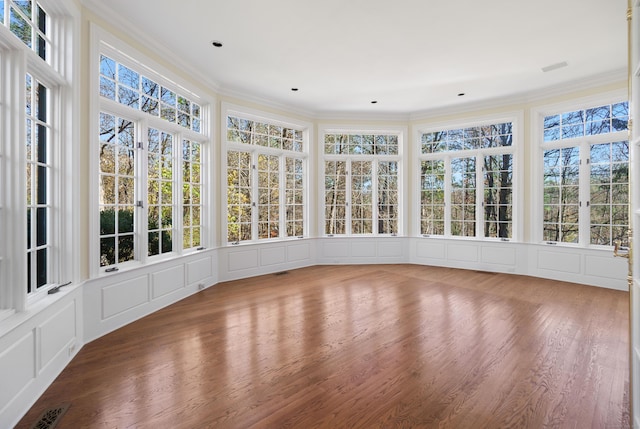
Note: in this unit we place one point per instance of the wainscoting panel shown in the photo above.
(273, 256)
(498, 255)
(199, 270)
(363, 249)
(17, 368)
(463, 252)
(124, 296)
(299, 252)
(57, 334)
(428, 249)
(35, 346)
(335, 249)
(242, 260)
(114, 300)
(559, 261)
(390, 248)
(166, 281)
(608, 267)
(248, 260)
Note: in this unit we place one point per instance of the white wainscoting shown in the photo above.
(249, 260)
(35, 346)
(495, 256)
(362, 250)
(595, 267)
(117, 299)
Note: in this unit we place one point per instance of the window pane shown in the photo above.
(160, 190)
(117, 189)
(268, 196)
(387, 198)
(561, 194)
(498, 190)
(361, 197)
(335, 197)
(463, 196)
(432, 197)
(238, 196)
(609, 193)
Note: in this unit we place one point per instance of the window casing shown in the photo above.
(151, 148)
(466, 178)
(362, 182)
(266, 163)
(585, 176)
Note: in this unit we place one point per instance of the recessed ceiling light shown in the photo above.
(374, 102)
(217, 43)
(294, 89)
(461, 94)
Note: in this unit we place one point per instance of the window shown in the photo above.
(586, 176)
(35, 198)
(361, 183)
(150, 157)
(28, 21)
(266, 192)
(39, 167)
(126, 86)
(466, 181)
(191, 194)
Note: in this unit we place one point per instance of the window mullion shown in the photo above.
(282, 196)
(348, 199)
(177, 184)
(480, 171)
(584, 225)
(447, 196)
(142, 192)
(374, 196)
(254, 195)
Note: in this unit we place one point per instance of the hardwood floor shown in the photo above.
(398, 346)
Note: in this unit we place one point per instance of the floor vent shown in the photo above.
(51, 417)
(281, 273)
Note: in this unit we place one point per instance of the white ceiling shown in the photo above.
(409, 55)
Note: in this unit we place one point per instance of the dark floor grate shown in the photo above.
(281, 273)
(51, 417)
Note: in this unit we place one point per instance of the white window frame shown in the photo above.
(103, 42)
(58, 73)
(539, 146)
(229, 109)
(516, 149)
(402, 133)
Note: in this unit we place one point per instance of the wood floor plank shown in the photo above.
(380, 346)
